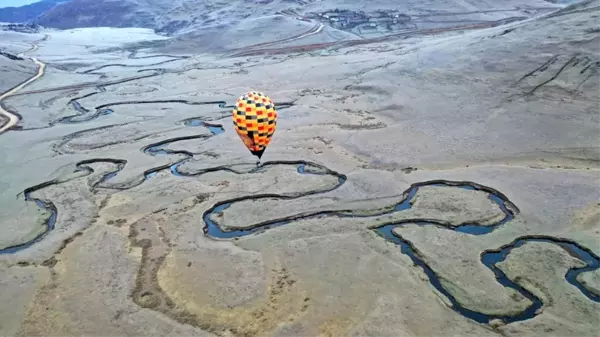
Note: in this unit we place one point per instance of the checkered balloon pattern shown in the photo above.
(254, 119)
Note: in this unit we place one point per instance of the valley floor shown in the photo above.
(439, 185)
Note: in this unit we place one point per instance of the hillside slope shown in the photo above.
(251, 33)
(524, 90)
(174, 16)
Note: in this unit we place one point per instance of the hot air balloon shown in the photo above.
(254, 119)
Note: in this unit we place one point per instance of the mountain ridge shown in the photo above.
(27, 13)
(177, 16)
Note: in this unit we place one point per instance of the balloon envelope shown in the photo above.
(254, 118)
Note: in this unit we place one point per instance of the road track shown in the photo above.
(13, 119)
(87, 84)
(316, 29)
(349, 43)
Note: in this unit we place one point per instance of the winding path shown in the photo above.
(316, 29)
(174, 58)
(12, 118)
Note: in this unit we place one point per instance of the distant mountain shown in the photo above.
(100, 13)
(165, 16)
(27, 13)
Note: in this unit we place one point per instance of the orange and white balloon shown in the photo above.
(255, 119)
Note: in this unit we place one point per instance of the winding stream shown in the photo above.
(121, 65)
(83, 114)
(490, 258)
(49, 206)
(49, 223)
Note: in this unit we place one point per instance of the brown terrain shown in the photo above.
(437, 180)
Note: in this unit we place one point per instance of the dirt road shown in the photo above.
(12, 118)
